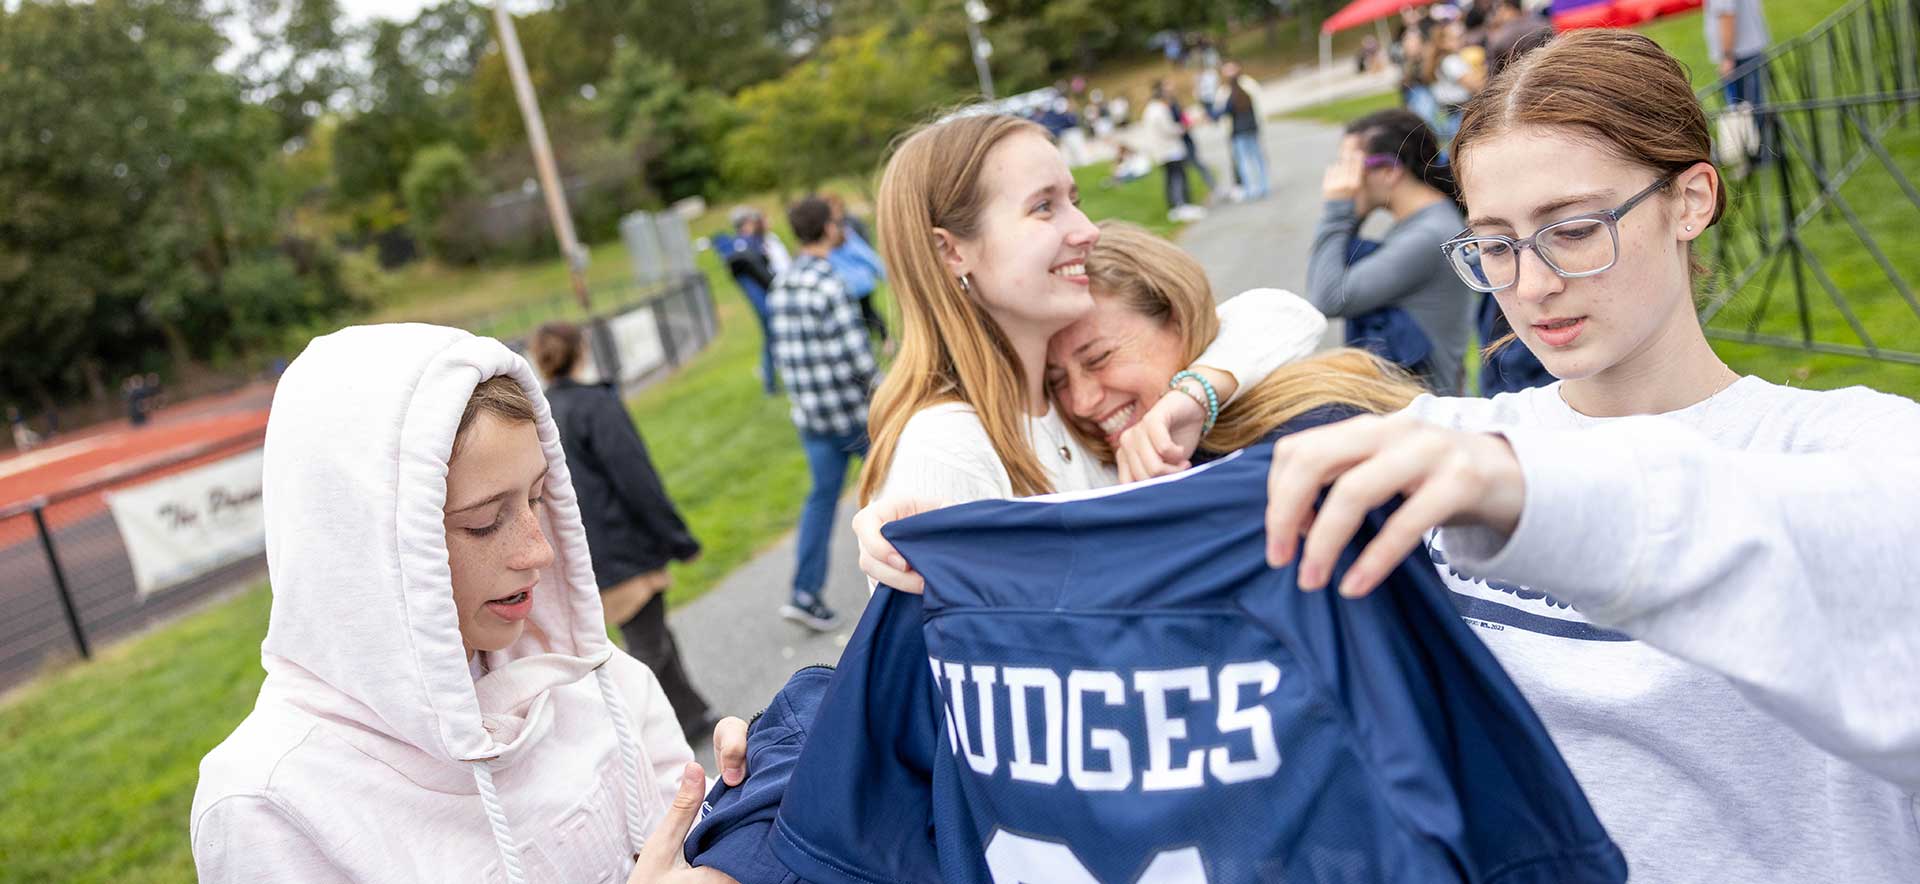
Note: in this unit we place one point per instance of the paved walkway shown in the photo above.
(739, 649)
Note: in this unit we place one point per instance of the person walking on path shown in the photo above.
(821, 348)
(753, 272)
(633, 528)
(1238, 104)
(858, 265)
(1162, 134)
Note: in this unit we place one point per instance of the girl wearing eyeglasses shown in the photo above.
(1705, 583)
(1398, 296)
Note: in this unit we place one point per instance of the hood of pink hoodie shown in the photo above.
(363, 630)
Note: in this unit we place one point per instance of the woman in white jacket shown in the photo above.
(441, 700)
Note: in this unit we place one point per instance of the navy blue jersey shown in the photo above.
(1119, 689)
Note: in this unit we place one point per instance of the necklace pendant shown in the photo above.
(1065, 454)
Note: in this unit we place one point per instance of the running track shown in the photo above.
(92, 557)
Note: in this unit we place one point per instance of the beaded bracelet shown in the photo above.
(1212, 403)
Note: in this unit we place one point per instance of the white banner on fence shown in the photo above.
(637, 334)
(185, 525)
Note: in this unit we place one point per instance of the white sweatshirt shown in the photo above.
(372, 753)
(944, 452)
(1716, 613)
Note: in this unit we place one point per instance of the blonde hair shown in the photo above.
(950, 349)
(1160, 281)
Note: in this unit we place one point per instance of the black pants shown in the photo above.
(871, 315)
(649, 642)
(1176, 172)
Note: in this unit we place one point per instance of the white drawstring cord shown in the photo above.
(629, 757)
(497, 818)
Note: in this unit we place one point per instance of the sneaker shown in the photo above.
(813, 615)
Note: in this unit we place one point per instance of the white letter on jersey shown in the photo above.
(1255, 720)
(1153, 685)
(953, 732)
(1021, 680)
(1119, 770)
(988, 757)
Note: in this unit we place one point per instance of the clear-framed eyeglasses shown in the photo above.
(1584, 245)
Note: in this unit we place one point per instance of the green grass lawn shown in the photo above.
(98, 761)
(1340, 112)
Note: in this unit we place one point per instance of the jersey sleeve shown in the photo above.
(859, 805)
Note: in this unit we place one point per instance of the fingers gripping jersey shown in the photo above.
(1118, 689)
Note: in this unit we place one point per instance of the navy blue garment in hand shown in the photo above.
(1118, 689)
(1388, 332)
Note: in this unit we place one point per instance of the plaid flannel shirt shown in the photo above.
(820, 348)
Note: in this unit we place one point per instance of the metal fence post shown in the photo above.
(60, 580)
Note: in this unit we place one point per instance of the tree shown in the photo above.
(298, 65)
(130, 172)
(438, 178)
(836, 114)
(674, 129)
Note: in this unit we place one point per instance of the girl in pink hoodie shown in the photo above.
(441, 700)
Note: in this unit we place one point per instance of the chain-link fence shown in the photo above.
(67, 581)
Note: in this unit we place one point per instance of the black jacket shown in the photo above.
(632, 527)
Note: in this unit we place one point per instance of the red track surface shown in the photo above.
(118, 449)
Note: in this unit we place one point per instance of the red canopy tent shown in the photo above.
(1359, 12)
(1571, 14)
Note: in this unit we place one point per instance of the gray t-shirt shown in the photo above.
(1750, 36)
(1407, 272)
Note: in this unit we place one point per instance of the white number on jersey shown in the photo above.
(1018, 859)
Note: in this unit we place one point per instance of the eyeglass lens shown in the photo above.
(1572, 247)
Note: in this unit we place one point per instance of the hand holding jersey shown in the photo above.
(1447, 477)
(660, 860)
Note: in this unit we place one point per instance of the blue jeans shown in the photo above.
(827, 459)
(757, 298)
(1751, 88)
(1251, 162)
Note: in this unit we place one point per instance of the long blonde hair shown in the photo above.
(950, 349)
(1159, 280)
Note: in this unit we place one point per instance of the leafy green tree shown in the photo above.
(836, 114)
(130, 172)
(298, 65)
(674, 129)
(438, 178)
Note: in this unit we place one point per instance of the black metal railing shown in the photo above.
(1825, 210)
(66, 581)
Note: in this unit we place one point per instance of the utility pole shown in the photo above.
(978, 15)
(576, 257)
(606, 356)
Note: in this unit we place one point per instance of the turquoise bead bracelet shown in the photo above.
(1212, 404)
